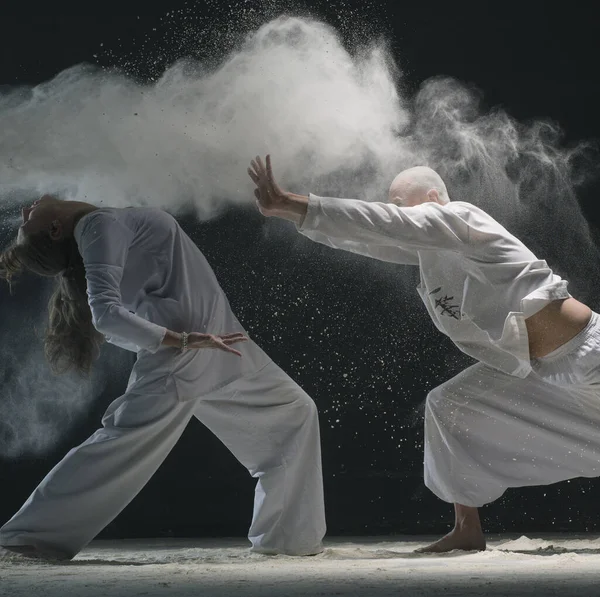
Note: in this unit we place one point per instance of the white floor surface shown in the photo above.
(562, 565)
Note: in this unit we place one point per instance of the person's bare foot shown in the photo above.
(459, 538)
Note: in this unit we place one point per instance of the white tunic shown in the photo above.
(478, 282)
(144, 276)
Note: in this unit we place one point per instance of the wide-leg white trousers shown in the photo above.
(265, 419)
(486, 431)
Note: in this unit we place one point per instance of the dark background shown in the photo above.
(340, 325)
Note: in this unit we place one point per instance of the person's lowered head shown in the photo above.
(45, 245)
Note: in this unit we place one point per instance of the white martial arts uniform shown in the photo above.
(507, 421)
(145, 275)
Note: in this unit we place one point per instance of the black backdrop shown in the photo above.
(339, 324)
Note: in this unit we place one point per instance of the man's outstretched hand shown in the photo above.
(270, 198)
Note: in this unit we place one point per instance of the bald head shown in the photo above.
(418, 185)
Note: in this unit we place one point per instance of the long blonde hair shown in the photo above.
(71, 341)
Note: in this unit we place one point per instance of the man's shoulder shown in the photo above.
(462, 206)
(468, 211)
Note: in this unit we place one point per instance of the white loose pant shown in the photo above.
(267, 421)
(486, 431)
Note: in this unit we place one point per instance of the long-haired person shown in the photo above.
(133, 277)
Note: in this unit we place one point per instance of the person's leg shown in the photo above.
(271, 426)
(97, 479)
(486, 431)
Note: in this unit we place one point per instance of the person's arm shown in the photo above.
(104, 245)
(392, 254)
(296, 212)
(122, 343)
(425, 226)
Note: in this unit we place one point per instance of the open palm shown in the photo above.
(218, 341)
(270, 197)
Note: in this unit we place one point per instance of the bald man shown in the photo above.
(528, 413)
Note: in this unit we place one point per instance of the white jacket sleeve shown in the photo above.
(393, 254)
(104, 244)
(122, 343)
(422, 227)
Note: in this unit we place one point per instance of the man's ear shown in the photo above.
(433, 195)
(56, 230)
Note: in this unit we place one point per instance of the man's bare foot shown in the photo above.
(458, 538)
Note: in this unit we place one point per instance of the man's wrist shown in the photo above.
(294, 207)
(297, 203)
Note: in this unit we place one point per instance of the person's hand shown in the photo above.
(270, 198)
(220, 342)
